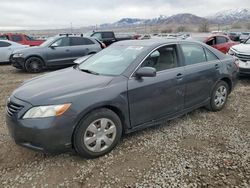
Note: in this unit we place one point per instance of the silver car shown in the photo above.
(7, 48)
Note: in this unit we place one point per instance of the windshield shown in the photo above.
(200, 39)
(247, 41)
(48, 42)
(113, 60)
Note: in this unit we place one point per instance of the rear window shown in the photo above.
(4, 37)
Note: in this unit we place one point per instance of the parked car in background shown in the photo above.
(234, 36)
(220, 42)
(56, 51)
(109, 37)
(126, 87)
(244, 36)
(21, 38)
(7, 48)
(242, 53)
(144, 37)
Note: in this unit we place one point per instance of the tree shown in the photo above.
(236, 26)
(181, 28)
(248, 26)
(204, 27)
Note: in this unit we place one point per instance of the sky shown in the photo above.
(56, 14)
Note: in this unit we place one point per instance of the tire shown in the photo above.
(34, 65)
(218, 97)
(91, 137)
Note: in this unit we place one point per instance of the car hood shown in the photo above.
(59, 86)
(30, 49)
(242, 48)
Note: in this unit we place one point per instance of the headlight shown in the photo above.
(18, 55)
(46, 111)
(231, 52)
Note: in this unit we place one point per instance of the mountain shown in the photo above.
(230, 16)
(174, 19)
(223, 17)
(184, 19)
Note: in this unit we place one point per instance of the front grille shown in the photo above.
(243, 57)
(13, 108)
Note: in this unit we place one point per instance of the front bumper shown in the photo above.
(244, 68)
(17, 62)
(50, 135)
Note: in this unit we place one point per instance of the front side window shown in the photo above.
(211, 41)
(61, 42)
(112, 61)
(162, 59)
(193, 54)
(4, 44)
(221, 40)
(16, 38)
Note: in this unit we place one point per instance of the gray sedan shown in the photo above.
(128, 86)
(56, 51)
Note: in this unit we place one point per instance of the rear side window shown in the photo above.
(221, 40)
(210, 56)
(16, 38)
(77, 41)
(108, 35)
(4, 44)
(193, 54)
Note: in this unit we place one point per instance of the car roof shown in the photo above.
(151, 42)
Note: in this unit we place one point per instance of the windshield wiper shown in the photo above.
(89, 71)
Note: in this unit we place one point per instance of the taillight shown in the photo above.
(103, 45)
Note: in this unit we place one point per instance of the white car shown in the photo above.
(244, 36)
(242, 53)
(7, 48)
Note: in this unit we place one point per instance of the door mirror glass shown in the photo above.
(146, 72)
(54, 45)
(155, 54)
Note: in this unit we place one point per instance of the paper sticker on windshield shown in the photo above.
(134, 48)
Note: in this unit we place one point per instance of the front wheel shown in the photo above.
(219, 96)
(97, 134)
(34, 65)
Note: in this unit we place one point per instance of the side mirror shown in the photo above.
(54, 45)
(146, 72)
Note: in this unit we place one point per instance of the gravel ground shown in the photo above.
(200, 149)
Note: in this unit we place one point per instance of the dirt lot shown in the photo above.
(201, 149)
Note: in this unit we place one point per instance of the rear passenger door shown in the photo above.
(81, 46)
(201, 72)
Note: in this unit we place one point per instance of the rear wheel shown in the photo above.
(34, 65)
(97, 134)
(219, 96)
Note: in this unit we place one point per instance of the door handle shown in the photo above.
(179, 76)
(217, 66)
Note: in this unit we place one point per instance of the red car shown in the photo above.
(21, 38)
(220, 42)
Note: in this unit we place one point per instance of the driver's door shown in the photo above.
(151, 98)
(59, 53)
